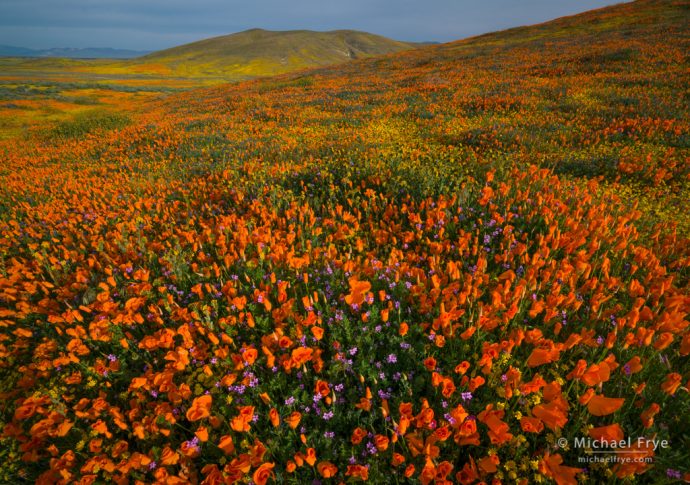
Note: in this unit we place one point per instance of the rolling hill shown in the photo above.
(264, 52)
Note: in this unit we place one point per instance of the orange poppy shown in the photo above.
(301, 355)
(322, 388)
(606, 434)
(200, 408)
(274, 417)
(381, 442)
(358, 471)
(263, 473)
(226, 445)
(310, 457)
(531, 425)
(358, 435)
(397, 459)
(242, 422)
(542, 356)
(489, 464)
(293, 419)
(462, 367)
(563, 475)
(317, 332)
(358, 291)
(648, 414)
(326, 469)
(551, 414)
(672, 383)
(601, 405)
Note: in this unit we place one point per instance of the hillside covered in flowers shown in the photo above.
(445, 265)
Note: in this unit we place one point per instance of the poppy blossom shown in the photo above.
(293, 419)
(601, 405)
(358, 291)
(606, 434)
(226, 444)
(263, 473)
(326, 469)
(200, 408)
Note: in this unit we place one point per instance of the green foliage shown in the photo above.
(87, 123)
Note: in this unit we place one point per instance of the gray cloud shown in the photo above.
(156, 24)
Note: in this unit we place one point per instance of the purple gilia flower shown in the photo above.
(671, 473)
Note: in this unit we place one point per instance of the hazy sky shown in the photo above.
(156, 24)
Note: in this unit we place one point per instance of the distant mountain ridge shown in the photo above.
(71, 52)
